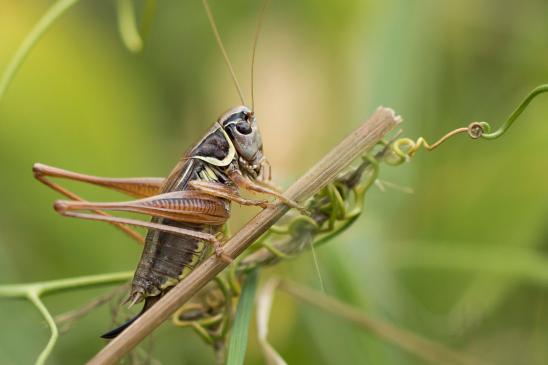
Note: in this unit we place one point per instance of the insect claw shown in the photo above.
(304, 211)
(225, 258)
(220, 253)
(266, 204)
(297, 206)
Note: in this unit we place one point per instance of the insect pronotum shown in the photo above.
(189, 207)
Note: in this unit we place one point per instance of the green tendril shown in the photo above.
(520, 109)
(404, 148)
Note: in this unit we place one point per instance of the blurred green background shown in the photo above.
(462, 261)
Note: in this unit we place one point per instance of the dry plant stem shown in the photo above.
(430, 351)
(353, 146)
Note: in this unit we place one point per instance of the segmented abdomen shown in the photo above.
(167, 258)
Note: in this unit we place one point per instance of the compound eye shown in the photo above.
(243, 128)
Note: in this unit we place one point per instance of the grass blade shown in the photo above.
(238, 338)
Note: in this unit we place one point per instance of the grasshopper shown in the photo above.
(188, 208)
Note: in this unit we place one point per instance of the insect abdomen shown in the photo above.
(167, 258)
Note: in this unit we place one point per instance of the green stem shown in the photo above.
(86, 281)
(15, 290)
(48, 287)
(533, 94)
(33, 292)
(34, 297)
(51, 15)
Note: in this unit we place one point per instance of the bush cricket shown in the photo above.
(189, 207)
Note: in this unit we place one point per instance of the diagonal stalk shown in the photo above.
(353, 146)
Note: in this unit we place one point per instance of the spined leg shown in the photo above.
(225, 192)
(139, 187)
(182, 206)
(42, 172)
(246, 184)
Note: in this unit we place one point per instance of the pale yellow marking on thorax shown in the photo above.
(225, 161)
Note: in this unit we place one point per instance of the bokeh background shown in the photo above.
(462, 261)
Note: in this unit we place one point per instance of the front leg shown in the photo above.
(226, 192)
(247, 184)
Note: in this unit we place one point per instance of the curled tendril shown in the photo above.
(404, 148)
(517, 112)
(210, 313)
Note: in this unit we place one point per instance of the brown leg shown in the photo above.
(243, 183)
(226, 192)
(139, 187)
(151, 225)
(42, 171)
(183, 206)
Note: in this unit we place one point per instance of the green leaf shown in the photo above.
(238, 338)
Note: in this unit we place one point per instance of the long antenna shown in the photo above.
(220, 43)
(255, 40)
